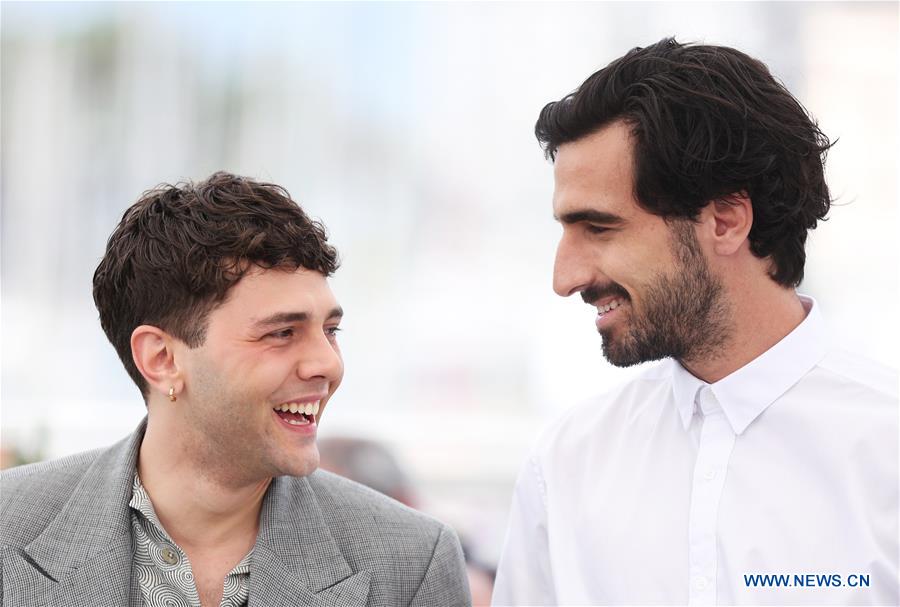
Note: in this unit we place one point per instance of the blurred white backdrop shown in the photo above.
(407, 128)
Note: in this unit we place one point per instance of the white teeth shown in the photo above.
(610, 306)
(303, 408)
(299, 422)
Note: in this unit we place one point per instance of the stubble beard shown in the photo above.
(685, 316)
(228, 444)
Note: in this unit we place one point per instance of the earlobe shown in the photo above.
(151, 349)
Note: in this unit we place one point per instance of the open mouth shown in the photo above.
(607, 311)
(298, 414)
(609, 307)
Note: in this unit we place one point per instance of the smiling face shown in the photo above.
(649, 279)
(271, 343)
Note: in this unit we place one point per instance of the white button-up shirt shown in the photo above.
(775, 485)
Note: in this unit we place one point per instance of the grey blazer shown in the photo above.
(65, 540)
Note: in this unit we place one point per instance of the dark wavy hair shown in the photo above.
(180, 248)
(708, 122)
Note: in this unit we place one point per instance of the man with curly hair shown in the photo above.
(215, 296)
(757, 464)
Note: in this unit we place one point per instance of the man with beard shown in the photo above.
(215, 296)
(757, 464)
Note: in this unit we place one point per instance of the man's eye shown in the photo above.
(282, 334)
(332, 331)
(596, 229)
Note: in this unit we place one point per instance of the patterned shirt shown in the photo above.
(163, 570)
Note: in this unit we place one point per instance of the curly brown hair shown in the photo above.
(708, 122)
(180, 248)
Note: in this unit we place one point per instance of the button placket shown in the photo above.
(714, 450)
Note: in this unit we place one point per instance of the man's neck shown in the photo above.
(196, 509)
(760, 322)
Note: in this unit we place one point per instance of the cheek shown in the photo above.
(266, 373)
(619, 263)
(638, 262)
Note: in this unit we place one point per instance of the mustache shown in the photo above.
(595, 292)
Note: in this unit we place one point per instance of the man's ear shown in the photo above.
(153, 354)
(730, 218)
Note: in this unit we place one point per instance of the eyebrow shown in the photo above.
(280, 318)
(591, 216)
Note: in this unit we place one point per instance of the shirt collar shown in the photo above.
(747, 392)
(140, 502)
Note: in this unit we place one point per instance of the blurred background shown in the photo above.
(407, 128)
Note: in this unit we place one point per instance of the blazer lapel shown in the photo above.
(84, 556)
(296, 560)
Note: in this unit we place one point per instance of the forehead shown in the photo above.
(596, 173)
(262, 292)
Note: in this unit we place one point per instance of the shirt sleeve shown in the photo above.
(524, 576)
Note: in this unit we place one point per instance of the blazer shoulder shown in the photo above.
(400, 546)
(32, 495)
(348, 503)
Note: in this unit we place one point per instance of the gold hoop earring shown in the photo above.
(172, 397)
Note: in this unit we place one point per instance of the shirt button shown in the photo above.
(710, 474)
(700, 583)
(169, 555)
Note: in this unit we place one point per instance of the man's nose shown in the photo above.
(571, 273)
(320, 359)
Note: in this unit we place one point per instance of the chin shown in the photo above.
(302, 465)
